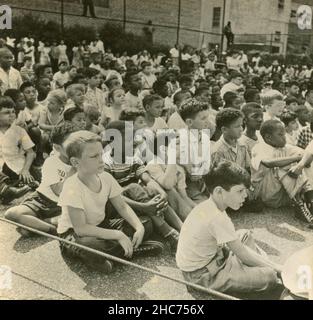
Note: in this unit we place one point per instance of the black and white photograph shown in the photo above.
(156, 151)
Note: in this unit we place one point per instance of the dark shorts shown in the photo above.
(43, 207)
(108, 246)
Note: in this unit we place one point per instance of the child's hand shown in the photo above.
(295, 171)
(138, 236)
(155, 206)
(26, 177)
(126, 245)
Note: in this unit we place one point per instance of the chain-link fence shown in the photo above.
(166, 31)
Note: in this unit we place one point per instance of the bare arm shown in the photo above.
(282, 162)
(251, 258)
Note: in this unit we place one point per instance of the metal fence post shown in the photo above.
(178, 21)
(62, 18)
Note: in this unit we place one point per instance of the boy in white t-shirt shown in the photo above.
(210, 252)
(39, 209)
(84, 218)
(16, 146)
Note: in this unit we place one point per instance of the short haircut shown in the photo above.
(158, 85)
(250, 107)
(70, 113)
(39, 70)
(287, 117)
(13, 94)
(250, 94)
(268, 97)
(268, 127)
(149, 99)
(235, 74)
(62, 63)
(201, 89)
(229, 97)
(76, 142)
(25, 85)
(226, 174)
(145, 64)
(57, 95)
(6, 102)
(191, 107)
(61, 132)
(185, 78)
(226, 117)
(179, 96)
(129, 75)
(92, 112)
(131, 115)
(290, 100)
(73, 88)
(91, 72)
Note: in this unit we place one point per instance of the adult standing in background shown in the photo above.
(229, 35)
(89, 4)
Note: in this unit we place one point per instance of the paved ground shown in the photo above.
(40, 272)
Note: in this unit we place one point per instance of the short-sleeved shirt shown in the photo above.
(13, 144)
(205, 231)
(124, 173)
(263, 151)
(77, 195)
(10, 80)
(54, 171)
(248, 142)
(223, 151)
(305, 137)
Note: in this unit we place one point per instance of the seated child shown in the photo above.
(85, 220)
(253, 119)
(171, 177)
(17, 147)
(231, 100)
(39, 209)
(116, 99)
(76, 116)
(136, 117)
(128, 169)
(61, 77)
(193, 157)
(289, 119)
(292, 103)
(51, 116)
(175, 121)
(305, 132)
(210, 252)
(230, 122)
(76, 96)
(270, 164)
(273, 102)
(94, 95)
(43, 86)
(92, 119)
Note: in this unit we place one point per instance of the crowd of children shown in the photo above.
(125, 153)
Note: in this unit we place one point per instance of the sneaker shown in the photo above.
(106, 266)
(149, 248)
(302, 211)
(11, 193)
(172, 239)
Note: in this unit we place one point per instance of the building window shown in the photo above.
(216, 16)
(281, 4)
(293, 14)
(277, 37)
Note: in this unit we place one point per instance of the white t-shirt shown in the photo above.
(77, 195)
(203, 234)
(54, 171)
(229, 87)
(13, 144)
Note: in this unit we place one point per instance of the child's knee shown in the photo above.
(13, 214)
